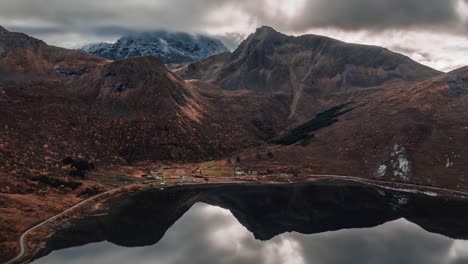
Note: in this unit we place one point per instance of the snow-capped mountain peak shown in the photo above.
(170, 47)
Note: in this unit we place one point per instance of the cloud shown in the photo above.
(231, 39)
(442, 51)
(89, 16)
(73, 24)
(377, 14)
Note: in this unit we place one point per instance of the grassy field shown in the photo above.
(215, 169)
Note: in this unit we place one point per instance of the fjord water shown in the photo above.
(305, 223)
(210, 234)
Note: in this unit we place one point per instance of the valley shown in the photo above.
(277, 110)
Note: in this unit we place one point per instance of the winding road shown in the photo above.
(23, 236)
(407, 187)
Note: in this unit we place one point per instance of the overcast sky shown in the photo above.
(433, 32)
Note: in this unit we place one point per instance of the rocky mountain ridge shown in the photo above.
(305, 67)
(170, 47)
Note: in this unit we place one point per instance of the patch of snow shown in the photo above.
(96, 47)
(164, 46)
(403, 167)
(381, 170)
(449, 163)
(397, 164)
(400, 163)
(397, 150)
(170, 47)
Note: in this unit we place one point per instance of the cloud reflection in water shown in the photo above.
(209, 234)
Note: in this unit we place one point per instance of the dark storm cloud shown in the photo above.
(74, 23)
(37, 30)
(377, 14)
(87, 15)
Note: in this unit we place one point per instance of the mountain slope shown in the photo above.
(404, 132)
(169, 47)
(135, 109)
(24, 57)
(68, 103)
(270, 61)
(290, 105)
(305, 67)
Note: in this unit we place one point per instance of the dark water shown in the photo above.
(318, 223)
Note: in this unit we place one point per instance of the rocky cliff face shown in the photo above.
(167, 46)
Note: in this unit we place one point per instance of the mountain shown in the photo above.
(271, 61)
(279, 104)
(26, 58)
(170, 47)
(305, 67)
(386, 107)
(410, 132)
(367, 111)
(359, 109)
(352, 109)
(56, 103)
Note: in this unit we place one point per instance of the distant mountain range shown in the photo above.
(170, 47)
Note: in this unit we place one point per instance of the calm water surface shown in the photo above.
(211, 234)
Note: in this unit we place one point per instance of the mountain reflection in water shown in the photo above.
(207, 233)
